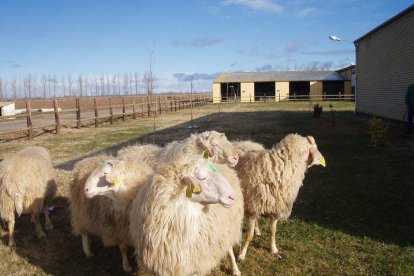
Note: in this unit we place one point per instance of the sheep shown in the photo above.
(211, 143)
(243, 147)
(27, 185)
(101, 194)
(271, 179)
(187, 217)
(146, 152)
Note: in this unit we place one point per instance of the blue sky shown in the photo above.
(189, 39)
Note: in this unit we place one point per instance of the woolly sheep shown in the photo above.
(244, 147)
(27, 184)
(212, 143)
(106, 217)
(187, 218)
(271, 179)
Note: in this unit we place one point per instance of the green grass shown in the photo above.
(354, 217)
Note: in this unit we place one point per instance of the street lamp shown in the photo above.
(335, 38)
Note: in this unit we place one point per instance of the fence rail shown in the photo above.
(86, 113)
(290, 98)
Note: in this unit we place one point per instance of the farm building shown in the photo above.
(385, 66)
(7, 108)
(280, 85)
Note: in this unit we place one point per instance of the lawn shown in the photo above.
(354, 217)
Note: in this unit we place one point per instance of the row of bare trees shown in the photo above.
(50, 86)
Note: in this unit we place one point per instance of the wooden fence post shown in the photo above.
(78, 113)
(142, 107)
(175, 104)
(123, 109)
(148, 106)
(57, 121)
(29, 120)
(111, 112)
(159, 103)
(134, 115)
(95, 105)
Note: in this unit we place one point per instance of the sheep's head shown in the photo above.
(218, 148)
(104, 180)
(315, 157)
(205, 185)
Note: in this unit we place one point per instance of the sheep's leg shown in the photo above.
(85, 245)
(38, 226)
(11, 231)
(257, 230)
(124, 253)
(273, 237)
(234, 267)
(48, 222)
(249, 237)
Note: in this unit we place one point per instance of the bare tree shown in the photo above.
(126, 84)
(27, 86)
(2, 89)
(107, 84)
(80, 84)
(96, 86)
(54, 84)
(64, 86)
(14, 87)
(44, 86)
(102, 79)
(136, 79)
(70, 84)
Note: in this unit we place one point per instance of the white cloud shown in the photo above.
(307, 12)
(259, 5)
(199, 42)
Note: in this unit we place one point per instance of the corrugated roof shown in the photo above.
(389, 21)
(279, 76)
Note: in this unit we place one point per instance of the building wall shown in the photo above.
(282, 90)
(7, 110)
(247, 92)
(216, 92)
(348, 87)
(316, 89)
(385, 68)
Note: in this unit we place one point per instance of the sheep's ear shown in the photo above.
(311, 140)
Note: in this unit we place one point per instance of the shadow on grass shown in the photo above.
(364, 191)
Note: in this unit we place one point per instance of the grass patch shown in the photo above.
(354, 217)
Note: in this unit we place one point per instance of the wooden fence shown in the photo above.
(88, 111)
(290, 98)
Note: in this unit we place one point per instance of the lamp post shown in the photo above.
(338, 39)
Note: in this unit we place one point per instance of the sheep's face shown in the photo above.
(314, 157)
(105, 180)
(219, 149)
(206, 185)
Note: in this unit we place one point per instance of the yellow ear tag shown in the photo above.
(197, 189)
(205, 154)
(189, 191)
(116, 180)
(322, 162)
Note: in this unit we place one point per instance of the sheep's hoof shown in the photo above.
(127, 268)
(258, 234)
(49, 226)
(88, 254)
(236, 273)
(241, 257)
(41, 234)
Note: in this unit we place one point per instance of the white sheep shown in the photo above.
(27, 185)
(211, 143)
(145, 152)
(271, 179)
(100, 198)
(187, 217)
(243, 147)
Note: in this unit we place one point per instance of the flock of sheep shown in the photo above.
(179, 206)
